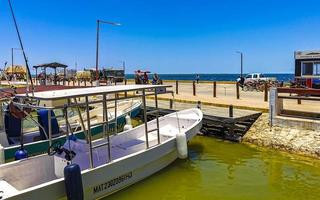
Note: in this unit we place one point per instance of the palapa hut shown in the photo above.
(53, 66)
(17, 71)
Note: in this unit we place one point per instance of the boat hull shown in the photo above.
(108, 178)
(105, 180)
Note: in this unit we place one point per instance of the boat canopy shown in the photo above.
(90, 91)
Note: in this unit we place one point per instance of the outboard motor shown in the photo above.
(73, 182)
(20, 154)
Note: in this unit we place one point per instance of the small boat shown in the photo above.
(105, 165)
(35, 141)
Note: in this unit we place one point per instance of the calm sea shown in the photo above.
(214, 77)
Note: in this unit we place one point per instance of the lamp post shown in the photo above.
(97, 46)
(12, 49)
(241, 60)
(123, 65)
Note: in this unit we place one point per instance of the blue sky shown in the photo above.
(190, 36)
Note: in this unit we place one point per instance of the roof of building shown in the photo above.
(51, 65)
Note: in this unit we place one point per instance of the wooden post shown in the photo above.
(194, 88)
(299, 100)
(238, 92)
(68, 82)
(91, 83)
(171, 104)
(125, 93)
(78, 82)
(265, 91)
(73, 82)
(231, 111)
(177, 87)
(85, 82)
(214, 89)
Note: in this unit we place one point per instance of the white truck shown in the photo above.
(258, 77)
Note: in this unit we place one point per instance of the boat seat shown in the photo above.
(12, 126)
(43, 121)
(6, 189)
(130, 143)
(169, 131)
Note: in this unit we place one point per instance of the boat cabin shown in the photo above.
(307, 68)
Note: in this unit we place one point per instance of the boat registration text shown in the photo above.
(111, 183)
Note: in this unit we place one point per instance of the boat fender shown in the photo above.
(20, 154)
(2, 158)
(73, 182)
(128, 125)
(182, 146)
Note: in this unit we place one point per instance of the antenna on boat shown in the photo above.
(23, 52)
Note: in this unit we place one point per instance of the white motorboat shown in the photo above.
(108, 164)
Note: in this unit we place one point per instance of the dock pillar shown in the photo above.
(275, 104)
(194, 88)
(171, 104)
(238, 92)
(214, 89)
(265, 91)
(177, 87)
(231, 111)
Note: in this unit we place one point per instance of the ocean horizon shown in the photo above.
(215, 77)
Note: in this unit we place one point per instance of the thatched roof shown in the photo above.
(16, 69)
(51, 65)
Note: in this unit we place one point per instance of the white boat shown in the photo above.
(36, 143)
(108, 164)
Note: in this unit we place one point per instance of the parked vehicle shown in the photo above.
(258, 76)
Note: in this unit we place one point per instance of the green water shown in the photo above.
(222, 170)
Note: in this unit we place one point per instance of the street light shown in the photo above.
(241, 57)
(12, 49)
(123, 65)
(97, 45)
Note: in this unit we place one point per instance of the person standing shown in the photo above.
(197, 78)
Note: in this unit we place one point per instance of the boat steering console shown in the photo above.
(56, 147)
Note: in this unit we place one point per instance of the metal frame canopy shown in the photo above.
(82, 92)
(69, 98)
(53, 65)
